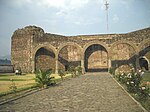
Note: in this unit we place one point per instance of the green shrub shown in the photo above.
(122, 78)
(71, 69)
(143, 93)
(61, 73)
(43, 78)
(133, 82)
(112, 70)
(78, 70)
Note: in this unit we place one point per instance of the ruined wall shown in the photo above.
(21, 50)
(22, 47)
(121, 49)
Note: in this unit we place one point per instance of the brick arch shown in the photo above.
(45, 46)
(141, 46)
(116, 61)
(68, 44)
(123, 42)
(65, 57)
(95, 42)
(100, 51)
(35, 51)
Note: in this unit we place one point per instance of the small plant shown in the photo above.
(112, 71)
(122, 78)
(78, 70)
(133, 82)
(61, 73)
(13, 86)
(72, 70)
(43, 78)
(143, 93)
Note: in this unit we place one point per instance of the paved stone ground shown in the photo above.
(93, 92)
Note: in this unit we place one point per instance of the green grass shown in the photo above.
(15, 79)
(146, 77)
(23, 82)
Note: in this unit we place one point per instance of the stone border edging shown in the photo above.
(129, 95)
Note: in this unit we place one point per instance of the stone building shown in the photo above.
(32, 49)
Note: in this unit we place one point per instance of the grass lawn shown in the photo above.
(21, 81)
(146, 77)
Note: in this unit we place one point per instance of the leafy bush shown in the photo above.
(143, 93)
(75, 71)
(122, 78)
(78, 70)
(133, 82)
(61, 73)
(112, 71)
(71, 69)
(43, 78)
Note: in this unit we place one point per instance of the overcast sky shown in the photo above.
(71, 17)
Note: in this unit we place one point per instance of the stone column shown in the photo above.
(82, 66)
(32, 66)
(56, 66)
(109, 64)
(82, 63)
(137, 61)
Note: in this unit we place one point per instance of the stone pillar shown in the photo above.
(32, 66)
(109, 64)
(82, 66)
(137, 61)
(56, 66)
(82, 62)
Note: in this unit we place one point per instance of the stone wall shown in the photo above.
(121, 50)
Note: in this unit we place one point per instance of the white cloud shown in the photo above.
(115, 18)
(65, 4)
(52, 3)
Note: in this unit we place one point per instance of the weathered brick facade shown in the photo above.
(34, 49)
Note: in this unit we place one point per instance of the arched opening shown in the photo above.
(44, 59)
(143, 63)
(144, 60)
(96, 58)
(69, 55)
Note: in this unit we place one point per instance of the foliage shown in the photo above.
(75, 71)
(72, 70)
(13, 86)
(78, 70)
(133, 83)
(112, 71)
(43, 78)
(61, 73)
(143, 92)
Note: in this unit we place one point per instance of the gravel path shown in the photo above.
(93, 92)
